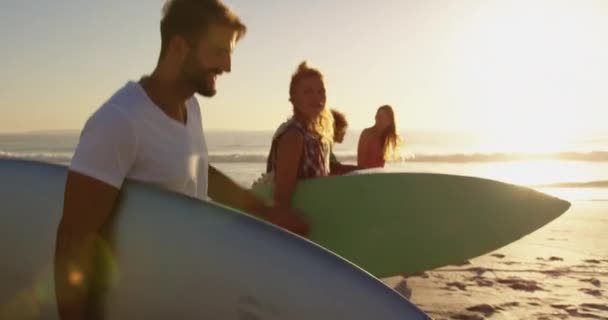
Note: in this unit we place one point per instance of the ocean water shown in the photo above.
(576, 168)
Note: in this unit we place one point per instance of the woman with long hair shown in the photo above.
(300, 147)
(379, 143)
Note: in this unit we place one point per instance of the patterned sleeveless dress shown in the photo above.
(315, 156)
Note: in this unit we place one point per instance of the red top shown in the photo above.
(374, 156)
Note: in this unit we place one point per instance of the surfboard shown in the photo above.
(390, 222)
(174, 257)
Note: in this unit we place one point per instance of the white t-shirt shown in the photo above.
(130, 137)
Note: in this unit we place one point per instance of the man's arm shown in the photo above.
(87, 205)
(223, 190)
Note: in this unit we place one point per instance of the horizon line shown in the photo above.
(218, 129)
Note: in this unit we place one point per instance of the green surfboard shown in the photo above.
(390, 223)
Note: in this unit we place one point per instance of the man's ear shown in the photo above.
(179, 47)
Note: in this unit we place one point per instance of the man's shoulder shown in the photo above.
(123, 104)
(128, 96)
(117, 114)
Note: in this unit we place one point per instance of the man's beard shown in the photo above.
(200, 83)
(197, 78)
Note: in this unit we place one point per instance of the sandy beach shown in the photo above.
(557, 272)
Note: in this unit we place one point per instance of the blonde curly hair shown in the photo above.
(323, 124)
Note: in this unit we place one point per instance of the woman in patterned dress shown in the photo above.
(301, 146)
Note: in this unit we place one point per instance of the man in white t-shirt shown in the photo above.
(151, 131)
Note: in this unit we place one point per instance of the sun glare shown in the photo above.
(519, 139)
(533, 172)
(524, 69)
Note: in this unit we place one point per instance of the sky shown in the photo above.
(509, 67)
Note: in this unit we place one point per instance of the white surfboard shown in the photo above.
(179, 258)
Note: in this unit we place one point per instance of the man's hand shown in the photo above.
(289, 220)
(222, 189)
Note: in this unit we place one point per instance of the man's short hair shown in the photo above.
(192, 18)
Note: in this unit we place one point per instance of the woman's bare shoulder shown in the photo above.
(366, 132)
(291, 136)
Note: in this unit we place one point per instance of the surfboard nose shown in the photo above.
(556, 205)
(562, 205)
